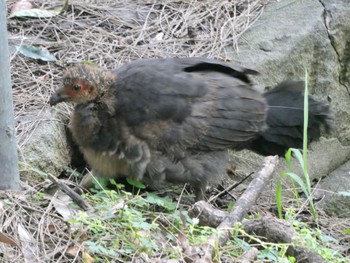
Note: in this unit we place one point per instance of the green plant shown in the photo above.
(272, 252)
(312, 239)
(318, 242)
(303, 182)
(124, 225)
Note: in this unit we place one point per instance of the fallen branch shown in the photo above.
(242, 206)
(207, 214)
(273, 230)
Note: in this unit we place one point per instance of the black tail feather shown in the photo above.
(285, 119)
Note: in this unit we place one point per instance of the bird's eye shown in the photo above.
(76, 87)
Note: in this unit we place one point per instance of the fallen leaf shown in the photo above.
(231, 169)
(159, 37)
(27, 245)
(51, 228)
(87, 258)
(21, 5)
(34, 13)
(39, 13)
(73, 251)
(36, 53)
(225, 58)
(61, 204)
(7, 240)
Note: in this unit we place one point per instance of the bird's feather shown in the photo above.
(172, 120)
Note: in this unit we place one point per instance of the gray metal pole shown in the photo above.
(9, 176)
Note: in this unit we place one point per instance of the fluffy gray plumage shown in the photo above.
(172, 120)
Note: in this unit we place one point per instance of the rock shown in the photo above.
(317, 42)
(46, 148)
(337, 22)
(266, 46)
(334, 192)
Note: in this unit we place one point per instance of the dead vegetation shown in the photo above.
(107, 33)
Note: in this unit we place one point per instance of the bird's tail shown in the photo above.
(285, 119)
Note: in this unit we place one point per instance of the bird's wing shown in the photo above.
(189, 103)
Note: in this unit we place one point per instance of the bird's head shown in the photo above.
(82, 84)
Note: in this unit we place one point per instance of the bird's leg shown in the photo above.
(134, 151)
(199, 192)
(188, 170)
(86, 182)
(138, 157)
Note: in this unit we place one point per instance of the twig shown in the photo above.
(75, 197)
(229, 189)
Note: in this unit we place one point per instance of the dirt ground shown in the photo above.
(108, 33)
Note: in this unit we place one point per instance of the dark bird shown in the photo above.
(172, 120)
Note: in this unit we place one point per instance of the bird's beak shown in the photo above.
(57, 97)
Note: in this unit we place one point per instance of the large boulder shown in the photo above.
(334, 192)
(293, 37)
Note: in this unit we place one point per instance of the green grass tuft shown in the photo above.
(304, 181)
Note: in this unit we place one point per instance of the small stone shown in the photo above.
(266, 46)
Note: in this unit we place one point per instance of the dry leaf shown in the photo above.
(61, 204)
(72, 251)
(51, 229)
(7, 240)
(87, 258)
(28, 249)
(21, 5)
(36, 52)
(159, 37)
(38, 13)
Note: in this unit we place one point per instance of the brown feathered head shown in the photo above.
(82, 84)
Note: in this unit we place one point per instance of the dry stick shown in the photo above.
(75, 197)
(248, 198)
(270, 228)
(229, 189)
(242, 206)
(207, 214)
